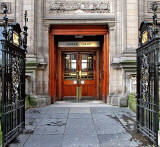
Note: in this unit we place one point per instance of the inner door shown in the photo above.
(79, 70)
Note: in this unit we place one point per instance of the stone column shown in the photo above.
(39, 81)
(112, 72)
(39, 31)
(132, 25)
(124, 26)
(141, 10)
(19, 11)
(46, 58)
(119, 27)
(29, 6)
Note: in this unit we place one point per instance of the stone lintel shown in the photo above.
(81, 17)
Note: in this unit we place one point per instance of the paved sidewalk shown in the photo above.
(86, 124)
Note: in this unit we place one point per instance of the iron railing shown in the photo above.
(148, 59)
(14, 45)
(148, 89)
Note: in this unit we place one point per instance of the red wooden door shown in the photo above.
(84, 65)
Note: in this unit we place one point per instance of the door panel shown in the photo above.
(82, 65)
(69, 90)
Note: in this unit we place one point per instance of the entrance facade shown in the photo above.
(79, 70)
(79, 57)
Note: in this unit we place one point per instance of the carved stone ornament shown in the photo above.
(8, 7)
(60, 6)
(149, 6)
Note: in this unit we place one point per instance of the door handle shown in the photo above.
(80, 74)
(77, 74)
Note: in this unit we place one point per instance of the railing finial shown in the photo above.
(25, 34)
(25, 17)
(155, 19)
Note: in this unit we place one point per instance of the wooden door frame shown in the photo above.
(76, 30)
(78, 57)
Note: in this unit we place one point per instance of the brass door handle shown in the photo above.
(80, 74)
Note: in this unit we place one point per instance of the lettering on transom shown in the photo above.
(79, 44)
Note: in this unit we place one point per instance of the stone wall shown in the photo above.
(123, 18)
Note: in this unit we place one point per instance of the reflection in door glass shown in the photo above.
(87, 67)
(70, 67)
(73, 65)
(84, 62)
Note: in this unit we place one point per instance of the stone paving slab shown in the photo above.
(71, 104)
(34, 116)
(44, 141)
(49, 130)
(58, 109)
(116, 140)
(20, 140)
(80, 126)
(107, 125)
(53, 122)
(30, 127)
(105, 110)
(80, 115)
(80, 141)
(68, 124)
(32, 121)
(80, 110)
(41, 110)
(99, 116)
(51, 115)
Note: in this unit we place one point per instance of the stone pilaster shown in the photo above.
(39, 31)
(132, 24)
(29, 5)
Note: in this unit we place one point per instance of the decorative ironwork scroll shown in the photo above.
(145, 78)
(14, 45)
(16, 74)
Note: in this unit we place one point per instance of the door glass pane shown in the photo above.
(87, 67)
(84, 62)
(70, 67)
(84, 66)
(90, 67)
(67, 63)
(73, 63)
(90, 62)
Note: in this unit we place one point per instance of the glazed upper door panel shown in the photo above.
(79, 70)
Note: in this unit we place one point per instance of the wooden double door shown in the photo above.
(79, 70)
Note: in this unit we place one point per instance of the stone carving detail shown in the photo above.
(87, 6)
(149, 6)
(8, 7)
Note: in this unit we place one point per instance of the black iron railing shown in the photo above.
(148, 89)
(148, 59)
(14, 45)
